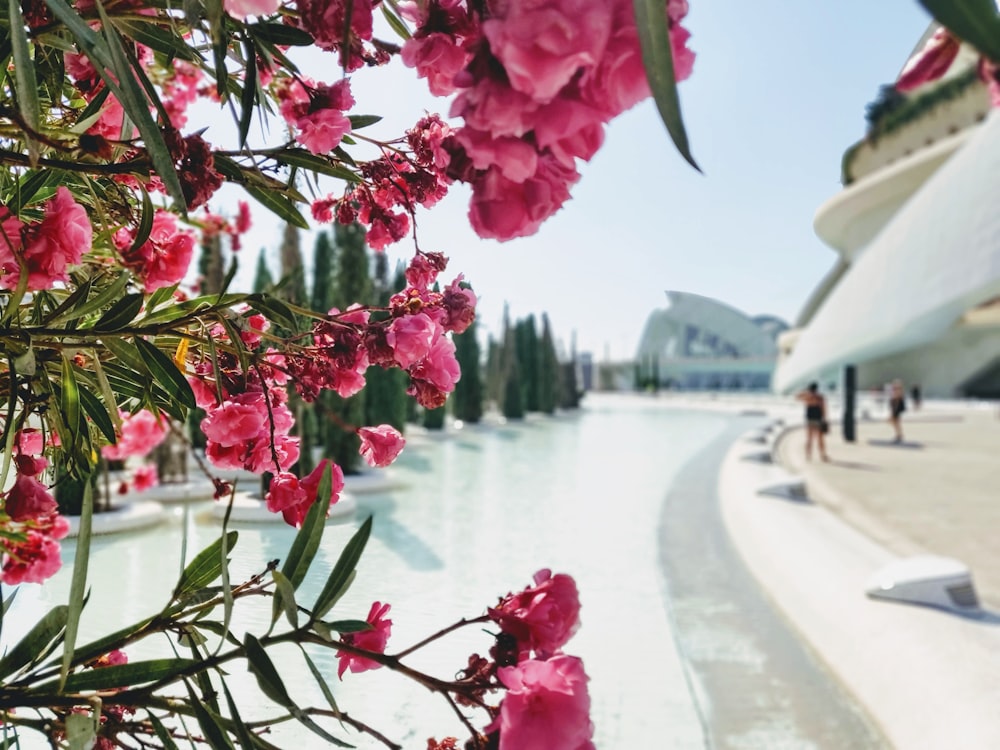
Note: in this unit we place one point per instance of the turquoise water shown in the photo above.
(478, 512)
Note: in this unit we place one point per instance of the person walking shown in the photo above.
(897, 405)
(816, 424)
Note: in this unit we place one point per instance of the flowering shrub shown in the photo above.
(105, 183)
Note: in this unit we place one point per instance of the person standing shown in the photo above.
(816, 424)
(897, 405)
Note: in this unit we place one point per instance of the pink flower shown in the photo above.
(543, 617)
(59, 241)
(439, 367)
(144, 478)
(370, 640)
(35, 558)
(436, 57)
(931, 62)
(411, 337)
(546, 707)
(141, 433)
(460, 306)
(292, 497)
(242, 8)
(28, 499)
(164, 258)
(542, 45)
(380, 445)
(316, 112)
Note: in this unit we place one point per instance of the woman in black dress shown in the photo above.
(815, 420)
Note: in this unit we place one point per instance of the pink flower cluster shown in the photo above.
(141, 433)
(344, 26)
(374, 640)
(292, 497)
(546, 706)
(315, 112)
(249, 431)
(46, 248)
(163, 259)
(536, 83)
(380, 445)
(30, 541)
(413, 338)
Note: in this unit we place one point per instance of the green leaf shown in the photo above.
(248, 96)
(104, 297)
(284, 599)
(145, 222)
(78, 584)
(161, 733)
(133, 674)
(77, 296)
(654, 38)
(105, 644)
(211, 724)
(121, 313)
(278, 204)
(281, 34)
(81, 730)
(306, 543)
(25, 82)
(321, 681)
(395, 22)
(243, 734)
(125, 353)
(136, 106)
(70, 398)
(161, 295)
(165, 372)
(363, 121)
(205, 568)
(28, 187)
(263, 669)
(307, 721)
(160, 38)
(99, 414)
(340, 576)
(299, 157)
(975, 21)
(274, 310)
(37, 642)
(349, 626)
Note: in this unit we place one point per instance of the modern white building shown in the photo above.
(914, 292)
(699, 343)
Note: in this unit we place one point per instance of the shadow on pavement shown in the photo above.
(893, 444)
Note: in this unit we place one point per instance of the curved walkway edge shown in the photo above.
(928, 677)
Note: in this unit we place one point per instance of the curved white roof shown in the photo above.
(937, 258)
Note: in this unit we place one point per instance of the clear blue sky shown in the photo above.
(778, 93)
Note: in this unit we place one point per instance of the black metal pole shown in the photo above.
(850, 389)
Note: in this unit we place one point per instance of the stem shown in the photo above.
(441, 633)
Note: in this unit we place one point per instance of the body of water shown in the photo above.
(477, 513)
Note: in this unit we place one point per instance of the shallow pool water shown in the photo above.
(478, 512)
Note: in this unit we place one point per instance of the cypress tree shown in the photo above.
(548, 370)
(385, 394)
(494, 371)
(323, 261)
(293, 275)
(526, 341)
(211, 265)
(569, 392)
(512, 389)
(263, 281)
(434, 418)
(468, 396)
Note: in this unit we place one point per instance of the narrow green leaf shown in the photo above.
(263, 669)
(306, 543)
(70, 397)
(133, 674)
(363, 121)
(211, 724)
(161, 733)
(227, 591)
(975, 21)
(339, 577)
(99, 414)
(165, 372)
(395, 22)
(243, 734)
(104, 644)
(78, 584)
(121, 313)
(161, 295)
(160, 38)
(280, 33)
(307, 721)
(136, 106)
(81, 730)
(36, 643)
(321, 681)
(104, 297)
(274, 310)
(284, 599)
(277, 204)
(125, 353)
(28, 187)
(77, 296)
(205, 568)
(349, 626)
(89, 42)
(145, 222)
(654, 38)
(25, 82)
(299, 157)
(248, 96)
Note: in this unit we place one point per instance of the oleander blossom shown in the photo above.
(315, 112)
(141, 433)
(47, 248)
(370, 640)
(536, 86)
(931, 62)
(380, 445)
(543, 617)
(292, 497)
(164, 258)
(546, 706)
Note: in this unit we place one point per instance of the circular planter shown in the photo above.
(137, 514)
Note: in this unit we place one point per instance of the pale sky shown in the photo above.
(777, 95)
